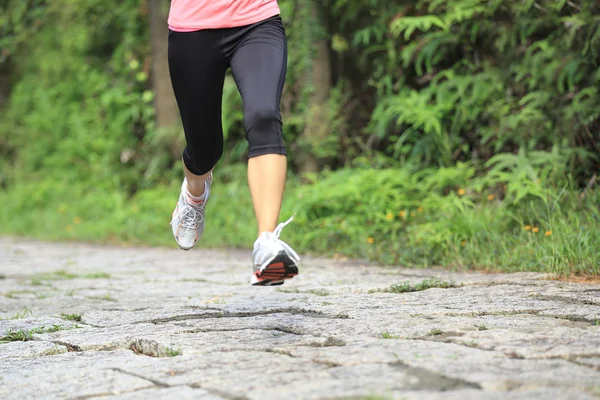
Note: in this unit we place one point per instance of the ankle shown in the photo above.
(265, 232)
(195, 189)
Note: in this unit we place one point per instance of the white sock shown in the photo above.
(197, 199)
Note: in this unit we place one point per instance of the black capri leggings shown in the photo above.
(257, 55)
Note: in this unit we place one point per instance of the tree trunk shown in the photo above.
(4, 85)
(167, 114)
(318, 121)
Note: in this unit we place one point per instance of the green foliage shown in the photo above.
(387, 335)
(463, 80)
(459, 124)
(450, 216)
(24, 313)
(95, 122)
(445, 216)
(71, 317)
(173, 352)
(25, 335)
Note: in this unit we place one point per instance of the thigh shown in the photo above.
(197, 68)
(259, 65)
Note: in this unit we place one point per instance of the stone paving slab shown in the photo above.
(83, 322)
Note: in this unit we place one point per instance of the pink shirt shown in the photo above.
(193, 15)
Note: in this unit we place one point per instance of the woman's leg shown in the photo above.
(266, 179)
(259, 67)
(197, 68)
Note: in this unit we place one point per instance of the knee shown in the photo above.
(261, 119)
(201, 165)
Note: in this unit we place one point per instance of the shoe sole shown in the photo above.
(281, 268)
(184, 248)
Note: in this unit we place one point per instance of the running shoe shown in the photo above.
(274, 261)
(188, 217)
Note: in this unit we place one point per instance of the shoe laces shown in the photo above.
(190, 216)
(275, 237)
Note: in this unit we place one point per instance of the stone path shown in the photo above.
(153, 323)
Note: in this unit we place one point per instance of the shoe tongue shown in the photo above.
(267, 235)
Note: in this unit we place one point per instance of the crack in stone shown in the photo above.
(142, 346)
(473, 344)
(573, 358)
(70, 347)
(594, 367)
(429, 380)
(283, 352)
(327, 363)
(151, 348)
(285, 329)
(563, 299)
(105, 394)
(441, 337)
(278, 329)
(219, 393)
(512, 354)
(573, 318)
(329, 342)
(154, 381)
(485, 313)
(538, 283)
(229, 314)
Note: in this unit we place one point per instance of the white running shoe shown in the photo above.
(188, 217)
(274, 261)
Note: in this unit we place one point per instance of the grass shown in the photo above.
(24, 335)
(11, 294)
(173, 352)
(408, 220)
(387, 335)
(37, 282)
(435, 332)
(216, 300)
(43, 278)
(71, 317)
(23, 313)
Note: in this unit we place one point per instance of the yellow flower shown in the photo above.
(389, 216)
(412, 213)
(76, 220)
(548, 233)
(420, 209)
(463, 243)
(461, 192)
(69, 228)
(491, 197)
(402, 214)
(528, 227)
(370, 240)
(535, 230)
